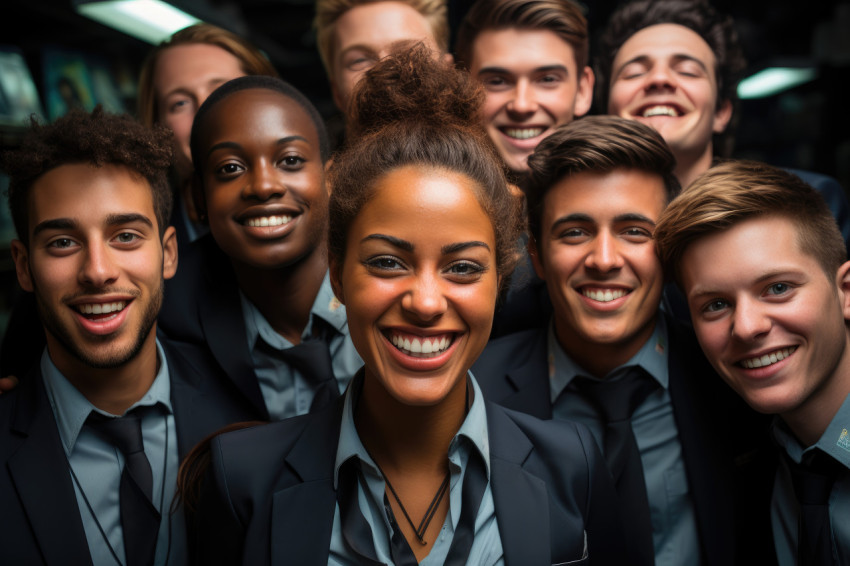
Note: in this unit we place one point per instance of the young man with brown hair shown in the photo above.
(613, 360)
(762, 265)
(531, 57)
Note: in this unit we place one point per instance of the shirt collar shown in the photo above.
(326, 306)
(652, 357)
(71, 408)
(473, 429)
(835, 440)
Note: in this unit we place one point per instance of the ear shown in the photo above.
(22, 265)
(335, 272)
(448, 58)
(584, 94)
(169, 253)
(535, 257)
(196, 188)
(722, 116)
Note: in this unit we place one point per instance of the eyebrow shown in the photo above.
(645, 59)
(71, 224)
(234, 145)
(409, 247)
(504, 71)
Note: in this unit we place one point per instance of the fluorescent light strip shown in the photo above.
(152, 21)
(773, 81)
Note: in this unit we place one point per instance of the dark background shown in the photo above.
(807, 127)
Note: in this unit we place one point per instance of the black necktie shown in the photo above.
(616, 401)
(312, 359)
(812, 482)
(358, 533)
(139, 518)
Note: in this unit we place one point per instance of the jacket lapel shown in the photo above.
(224, 329)
(39, 471)
(705, 461)
(520, 498)
(305, 537)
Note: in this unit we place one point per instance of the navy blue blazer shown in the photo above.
(269, 496)
(39, 519)
(727, 455)
(201, 307)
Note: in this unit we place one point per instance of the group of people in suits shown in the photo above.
(351, 302)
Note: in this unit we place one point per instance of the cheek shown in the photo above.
(617, 97)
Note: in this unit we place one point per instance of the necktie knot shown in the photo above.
(813, 478)
(617, 400)
(125, 432)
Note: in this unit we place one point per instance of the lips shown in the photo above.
(768, 359)
(102, 318)
(603, 295)
(263, 221)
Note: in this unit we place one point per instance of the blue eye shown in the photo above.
(778, 288)
(716, 305)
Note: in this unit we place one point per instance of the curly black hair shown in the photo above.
(98, 138)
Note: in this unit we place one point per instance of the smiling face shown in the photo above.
(598, 258)
(184, 76)
(664, 76)
(419, 284)
(769, 319)
(263, 179)
(96, 264)
(367, 33)
(532, 86)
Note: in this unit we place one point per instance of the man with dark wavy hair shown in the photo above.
(92, 438)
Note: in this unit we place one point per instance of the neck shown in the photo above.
(600, 358)
(809, 421)
(404, 438)
(691, 166)
(113, 390)
(284, 296)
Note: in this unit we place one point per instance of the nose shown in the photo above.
(660, 78)
(425, 300)
(99, 268)
(750, 320)
(605, 253)
(263, 182)
(524, 100)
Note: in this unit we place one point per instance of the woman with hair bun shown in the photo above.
(412, 465)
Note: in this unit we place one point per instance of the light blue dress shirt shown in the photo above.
(784, 510)
(674, 527)
(96, 465)
(471, 440)
(286, 392)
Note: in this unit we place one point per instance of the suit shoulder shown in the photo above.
(508, 351)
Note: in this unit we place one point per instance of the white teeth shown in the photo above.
(768, 359)
(421, 347)
(660, 111)
(605, 296)
(523, 133)
(101, 308)
(264, 221)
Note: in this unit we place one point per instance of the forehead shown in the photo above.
(379, 24)
(755, 246)
(427, 204)
(89, 194)
(182, 65)
(606, 195)
(256, 113)
(665, 41)
(519, 50)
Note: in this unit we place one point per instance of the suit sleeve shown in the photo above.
(602, 515)
(217, 535)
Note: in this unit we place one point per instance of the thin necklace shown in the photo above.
(429, 513)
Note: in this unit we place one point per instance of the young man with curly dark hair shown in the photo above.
(92, 438)
(675, 65)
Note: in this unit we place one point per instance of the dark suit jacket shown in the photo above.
(269, 495)
(727, 456)
(39, 519)
(202, 308)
